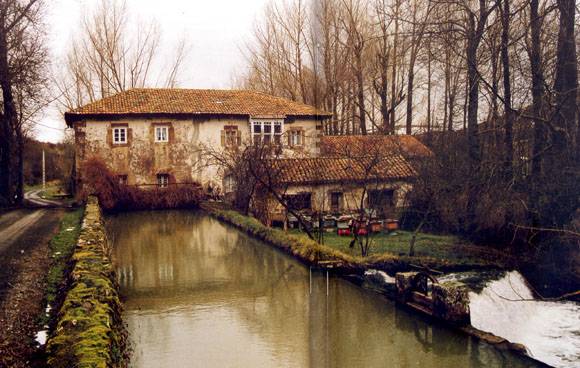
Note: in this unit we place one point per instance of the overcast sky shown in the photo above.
(215, 29)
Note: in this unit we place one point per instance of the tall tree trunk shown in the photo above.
(566, 80)
(429, 90)
(472, 103)
(19, 194)
(410, 82)
(394, 69)
(537, 87)
(562, 167)
(8, 122)
(507, 100)
(494, 98)
(361, 93)
(537, 105)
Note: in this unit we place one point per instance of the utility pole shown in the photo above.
(43, 172)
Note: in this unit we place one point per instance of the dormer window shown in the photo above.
(267, 131)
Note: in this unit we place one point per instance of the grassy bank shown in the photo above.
(442, 247)
(61, 248)
(89, 331)
(335, 252)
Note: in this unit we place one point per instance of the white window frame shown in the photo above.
(162, 180)
(117, 135)
(296, 137)
(275, 129)
(162, 134)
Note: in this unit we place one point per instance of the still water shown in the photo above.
(199, 293)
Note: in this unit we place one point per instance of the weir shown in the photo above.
(550, 330)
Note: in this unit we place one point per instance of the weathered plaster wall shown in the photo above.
(141, 159)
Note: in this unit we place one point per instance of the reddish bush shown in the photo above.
(113, 196)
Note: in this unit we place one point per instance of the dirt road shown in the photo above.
(24, 262)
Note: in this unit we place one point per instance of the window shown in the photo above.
(122, 179)
(231, 136)
(162, 180)
(300, 201)
(381, 199)
(120, 135)
(336, 201)
(296, 138)
(161, 134)
(267, 132)
(229, 184)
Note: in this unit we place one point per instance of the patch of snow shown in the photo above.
(550, 330)
(380, 274)
(41, 337)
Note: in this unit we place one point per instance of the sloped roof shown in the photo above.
(143, 101)
(372, 145)
(321, 170)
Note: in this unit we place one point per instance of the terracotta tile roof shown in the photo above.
(372, 145)
(321, 170)
(141, 101)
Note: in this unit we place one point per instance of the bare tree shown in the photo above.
(22, 79)
(106, 58)
(419, 24)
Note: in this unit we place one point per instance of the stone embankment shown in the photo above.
(89, 331)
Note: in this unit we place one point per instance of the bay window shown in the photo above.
(267, 132)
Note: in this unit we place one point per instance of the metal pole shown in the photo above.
(327, 283)
(43, 172)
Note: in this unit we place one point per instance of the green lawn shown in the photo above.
(427, 245)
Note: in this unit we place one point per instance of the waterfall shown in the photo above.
(550, 330)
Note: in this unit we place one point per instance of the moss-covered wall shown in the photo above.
(89, 331)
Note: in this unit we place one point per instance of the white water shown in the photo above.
(550, 330)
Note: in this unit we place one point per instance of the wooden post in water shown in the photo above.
(310, 280)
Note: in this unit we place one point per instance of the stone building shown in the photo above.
(373, 172)
(154, 136)
(159, 137)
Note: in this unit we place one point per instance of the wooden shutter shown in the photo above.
(110, 136)
(239, 137)
(170, 134)
(223, 137)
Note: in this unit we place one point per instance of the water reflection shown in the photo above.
(199, 293)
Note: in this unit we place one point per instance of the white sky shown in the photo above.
(215, 29)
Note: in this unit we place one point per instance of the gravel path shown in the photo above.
(24, 261)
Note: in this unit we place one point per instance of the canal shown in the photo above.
(199, 293)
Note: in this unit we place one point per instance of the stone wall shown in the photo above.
(89, 331)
